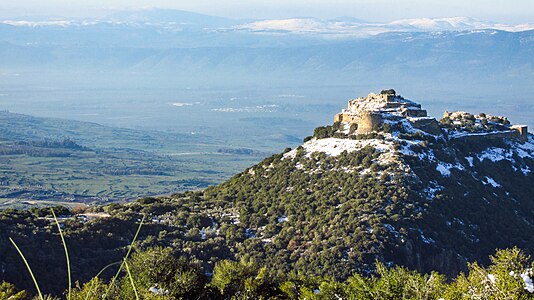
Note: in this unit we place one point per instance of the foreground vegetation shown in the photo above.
(157, 274)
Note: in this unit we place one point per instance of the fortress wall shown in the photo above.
(345, 118)
(507, 135)
(428, 125)
(416, 113)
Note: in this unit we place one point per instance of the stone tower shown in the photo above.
(522, 132)
(368, 121)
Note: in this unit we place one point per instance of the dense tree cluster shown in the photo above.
(328, 131)
(46, 148)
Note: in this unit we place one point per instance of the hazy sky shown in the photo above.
(509, 11)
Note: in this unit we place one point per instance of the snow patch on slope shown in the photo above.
(523, 150)
(529, 285)
(492, 182)
(445, 168)
(470, 161)
(432, 189)
(495, 154)
(527, 148)
(335, 146)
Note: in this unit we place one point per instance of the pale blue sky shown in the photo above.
(509, 11)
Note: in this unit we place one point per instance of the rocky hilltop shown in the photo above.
(466, 178)
(384, 182)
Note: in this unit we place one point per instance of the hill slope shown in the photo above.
(394, 193)
(385, 183)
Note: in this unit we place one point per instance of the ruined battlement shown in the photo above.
(464, 125)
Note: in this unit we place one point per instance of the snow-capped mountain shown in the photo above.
(175, 20)
(455, 24)
(336, 28)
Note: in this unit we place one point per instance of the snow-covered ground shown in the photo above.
(492, 182)
(335, 146)
(445, 168)
(461, 134)
(495, 154)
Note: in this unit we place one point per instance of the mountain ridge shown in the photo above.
(176, 20)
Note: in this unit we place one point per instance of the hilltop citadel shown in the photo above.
(373, 111)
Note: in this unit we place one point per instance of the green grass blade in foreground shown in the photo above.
(98, 274)
(131, 279)
(29, 269)
(66, 252)
(125, 257)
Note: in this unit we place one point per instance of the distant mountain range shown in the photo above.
(200, 43)
(160, 40)
(177, 21)
(353, 29)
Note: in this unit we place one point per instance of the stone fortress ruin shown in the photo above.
(482, 127)
(370, 113)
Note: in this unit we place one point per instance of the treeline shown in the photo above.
(14, 149)
(157, 273)
(238, 151)
(46, 148)
(63, 144)
(155, 171)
